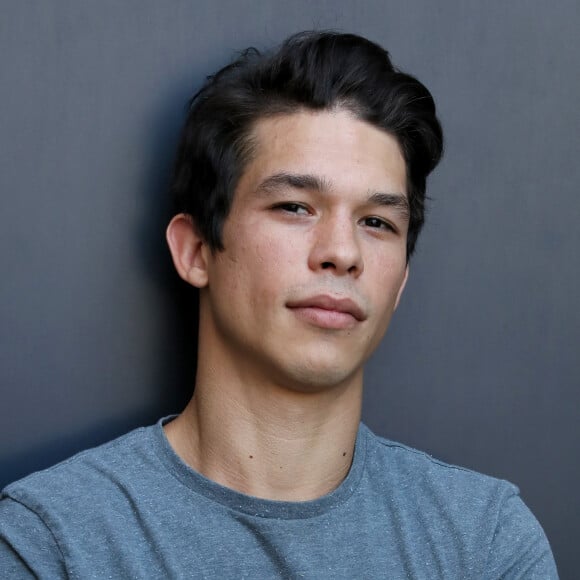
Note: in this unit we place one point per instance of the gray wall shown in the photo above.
(480, 366)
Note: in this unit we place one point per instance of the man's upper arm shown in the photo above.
(27, 547)
(520, 548)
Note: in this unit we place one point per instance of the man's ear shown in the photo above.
(403, 283)
(188, 250)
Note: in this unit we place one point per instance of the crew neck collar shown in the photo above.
(254, 506)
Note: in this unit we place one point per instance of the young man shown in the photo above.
(300, 181)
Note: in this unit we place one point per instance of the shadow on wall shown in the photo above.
(174, 365)
(177, 348)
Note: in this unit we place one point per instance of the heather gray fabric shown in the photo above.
(133, 509)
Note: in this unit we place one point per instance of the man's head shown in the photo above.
(303, 175)
(313, 71)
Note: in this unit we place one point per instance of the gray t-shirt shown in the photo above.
(133, 509)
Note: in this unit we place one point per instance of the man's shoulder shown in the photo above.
(52, 519)
(419, 473)
(459, 509)
(94, 469)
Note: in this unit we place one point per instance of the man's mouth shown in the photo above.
(327, 311)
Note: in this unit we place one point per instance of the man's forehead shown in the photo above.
(272, 130)
(318, 150)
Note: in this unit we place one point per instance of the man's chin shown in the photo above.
(317, 378)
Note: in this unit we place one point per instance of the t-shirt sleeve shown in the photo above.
(27, 547)
(520, 548)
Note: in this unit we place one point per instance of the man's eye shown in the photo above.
(378, 223)
(296, 208)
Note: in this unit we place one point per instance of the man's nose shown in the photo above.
(336, 247)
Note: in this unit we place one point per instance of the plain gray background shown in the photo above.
(481, 364)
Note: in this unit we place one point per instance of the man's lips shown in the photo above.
(328, 312)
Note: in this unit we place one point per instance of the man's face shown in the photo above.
(314, 260)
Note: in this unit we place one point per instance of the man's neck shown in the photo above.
(268, 441)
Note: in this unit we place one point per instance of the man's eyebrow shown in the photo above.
(398, 201)
(278, 181)
(293, 180)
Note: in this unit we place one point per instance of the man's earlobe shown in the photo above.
(400, 292)
(188, 250)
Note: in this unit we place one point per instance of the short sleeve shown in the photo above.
(27, 547)
(520, 549)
